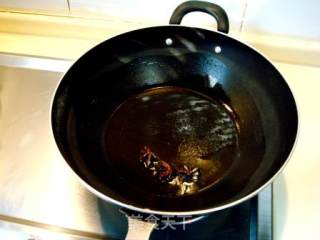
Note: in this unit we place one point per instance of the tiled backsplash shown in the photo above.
(296, 18)
(154, 12)
(285, 17)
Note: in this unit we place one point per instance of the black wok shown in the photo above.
(168, 64)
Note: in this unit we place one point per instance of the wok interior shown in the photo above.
(171, 141)
(131, 63)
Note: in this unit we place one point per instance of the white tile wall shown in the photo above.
(297, 18)
(153, 12)
(59, 7)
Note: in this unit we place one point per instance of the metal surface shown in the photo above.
(36, 183)
(264, 216)
(39, 195)
(20, 229)
(35, 63)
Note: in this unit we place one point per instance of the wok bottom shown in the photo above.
(172, 141)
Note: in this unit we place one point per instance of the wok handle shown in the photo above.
(139, 229)
(200, 6)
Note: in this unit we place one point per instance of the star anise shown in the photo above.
(184, 177)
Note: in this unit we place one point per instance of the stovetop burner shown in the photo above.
(232, 224)
(250, 220)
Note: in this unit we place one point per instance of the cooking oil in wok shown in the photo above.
(172, 141)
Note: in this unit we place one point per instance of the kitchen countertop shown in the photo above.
(296, 191)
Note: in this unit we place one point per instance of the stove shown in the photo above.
(40, 196)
